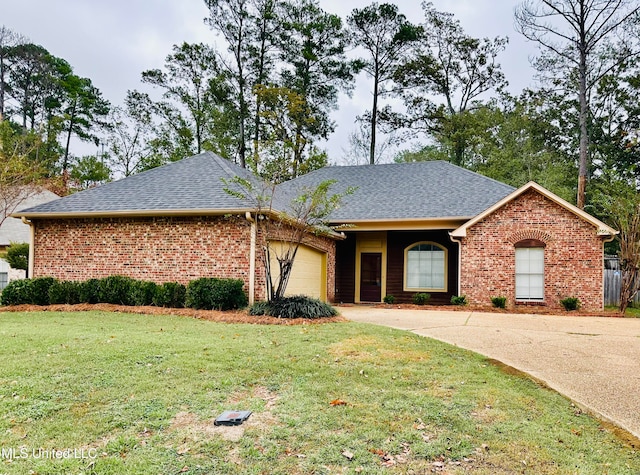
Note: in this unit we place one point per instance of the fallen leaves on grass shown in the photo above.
(338, 402)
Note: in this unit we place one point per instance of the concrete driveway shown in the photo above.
(593, 361)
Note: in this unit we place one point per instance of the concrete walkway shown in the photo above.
(593, 361)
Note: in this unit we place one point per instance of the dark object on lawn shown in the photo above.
(232, 418)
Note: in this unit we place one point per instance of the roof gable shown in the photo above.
(602, 228)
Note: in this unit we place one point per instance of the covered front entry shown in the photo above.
(372, 265)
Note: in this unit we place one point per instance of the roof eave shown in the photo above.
(446, 222)
(130, 213)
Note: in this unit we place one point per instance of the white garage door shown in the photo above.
(309, 274)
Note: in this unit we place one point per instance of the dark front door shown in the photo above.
(370, 277)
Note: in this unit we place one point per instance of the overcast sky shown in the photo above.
(113, 41)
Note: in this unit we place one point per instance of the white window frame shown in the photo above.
(407, 265)
(4, 272)
(529, 275)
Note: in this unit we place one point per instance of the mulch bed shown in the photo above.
(239, 316)
(242, 316)
(520, 309)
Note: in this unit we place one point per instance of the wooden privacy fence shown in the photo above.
(612, 288)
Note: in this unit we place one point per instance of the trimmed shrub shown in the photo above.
(210, 293)
(142, 292)
(17, 292)
(65, 292)
(421, 299)
(570, 303)
(18, 255)
(115, 289)
(88, 291)
(170, 294)
(40, 290)
(299, 306)
(390, 299)
(459, 300)
(499, 302)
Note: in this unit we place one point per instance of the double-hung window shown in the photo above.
(530, 271)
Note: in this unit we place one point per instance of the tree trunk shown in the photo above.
(374, 118)
(2, 74)
(584, 113)
(65, 161)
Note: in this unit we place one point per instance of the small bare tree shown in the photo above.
(619, 201)
(626, 217)
(290, 223)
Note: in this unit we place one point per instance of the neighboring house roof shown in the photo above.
(193, 185)
(406, 191)
(13, 229)
(602, 228)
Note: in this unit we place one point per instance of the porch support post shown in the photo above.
(458, 241)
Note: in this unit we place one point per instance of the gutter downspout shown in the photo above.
(32, 251)
(459, 243)
(252, 259)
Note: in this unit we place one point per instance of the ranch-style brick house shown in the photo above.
(416, 227)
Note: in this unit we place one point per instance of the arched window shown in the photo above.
(425, 267)
(530, 270)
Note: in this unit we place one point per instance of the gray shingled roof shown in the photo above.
(194, 183)
(13, 229)
(395, 191)
(433, 189)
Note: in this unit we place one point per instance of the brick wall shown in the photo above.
(573, 254)
(159, 249)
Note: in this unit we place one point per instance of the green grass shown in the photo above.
(137, 395)
(632, 312)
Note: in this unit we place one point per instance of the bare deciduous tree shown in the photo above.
(573, 34)
(282, 231)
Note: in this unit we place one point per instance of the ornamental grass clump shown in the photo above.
(299, 306)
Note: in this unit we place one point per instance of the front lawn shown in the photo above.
(137, 394)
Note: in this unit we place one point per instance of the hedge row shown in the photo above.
(205, 293)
